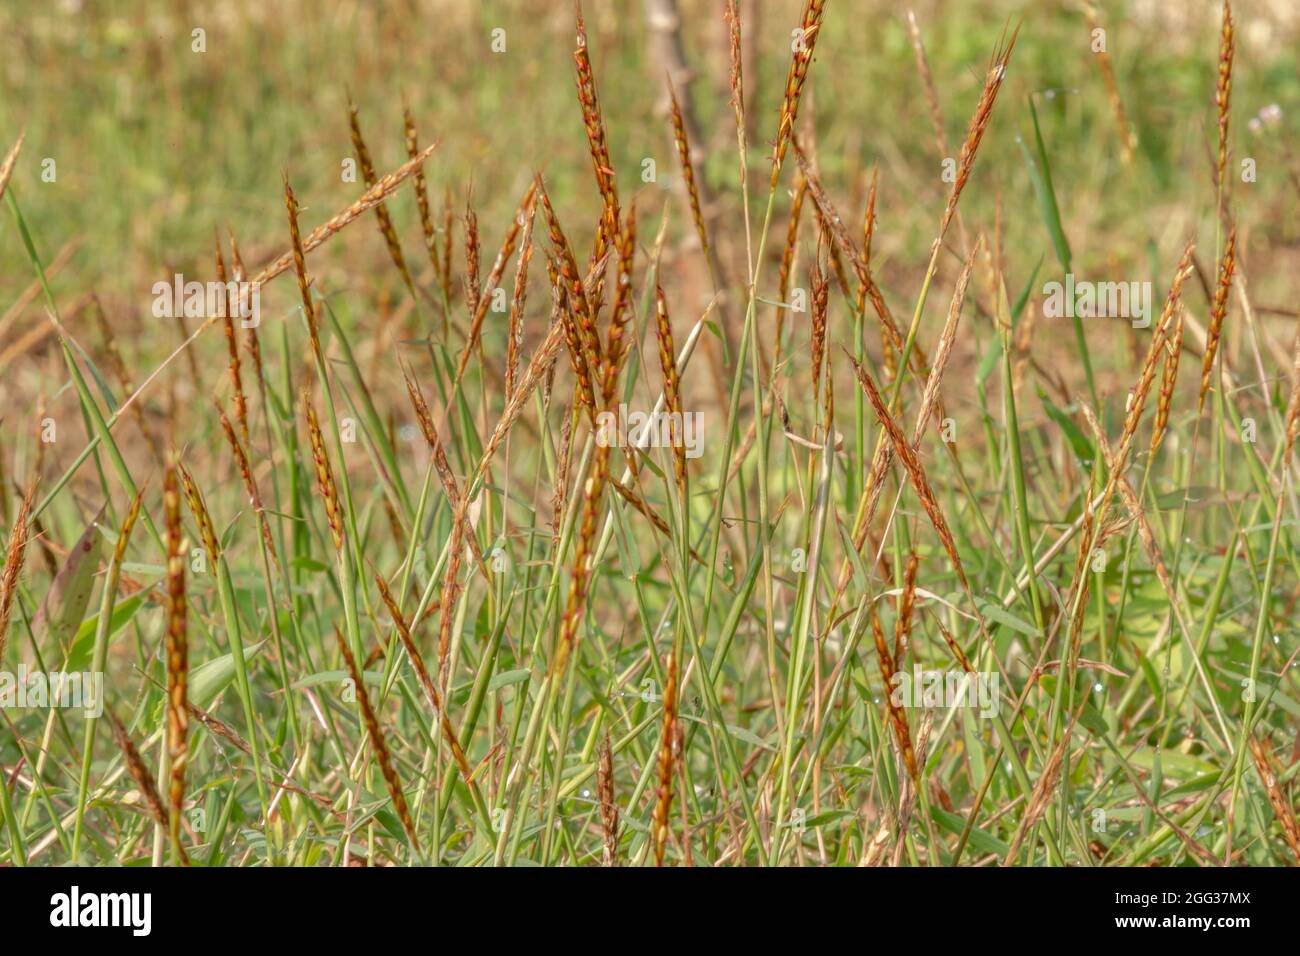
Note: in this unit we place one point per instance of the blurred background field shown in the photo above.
(156, 146)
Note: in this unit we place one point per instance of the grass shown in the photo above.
(368, 586)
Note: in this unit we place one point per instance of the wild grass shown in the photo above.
(421, 611)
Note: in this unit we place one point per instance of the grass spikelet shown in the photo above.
(979, 122)
(14, 558)
(819, 284)
(927, 83)
(422, 195)
(621, 312)
(735, 69)
(906, 606)
(575, 604)
(254, 346)
(1041, 796)
(250, 485)
(786, 271)
(915, 471)
(381, 209)
(194, 498)
(608, 805)
(1218, 311)
(688, 168)
(594, 123)
(1142, 389)
(1223, 105)
(232, 346)
(1277, 799)
(672, 384)
(448, 227)
(523, 215)
(515, 333)
(897, 715)
(379, 743)
(450, 590)
(300, 269)
(422, 674)
(138, 770)
(1168, 379)
(809, 30)
(178, 662)
(473, 286)
(664, 793)
(324, 474)
(1127, 140)
(583, 341)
